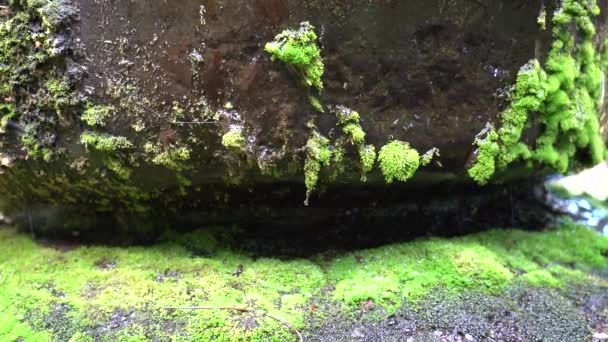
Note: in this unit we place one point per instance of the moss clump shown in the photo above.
(61, 94)
(354, 133)
(35, 148)
(316, 104)
(367, 156)
(97, 115)
(105, 142)
(234, 139)
(173, 158)
(318, 154)
(567, 95)
(298, 49)
(8, 112)
(398, 161)
(501, 147)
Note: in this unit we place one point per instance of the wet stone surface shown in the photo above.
(431, 73)
(519, 315)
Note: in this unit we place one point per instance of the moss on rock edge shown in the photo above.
(566, 95)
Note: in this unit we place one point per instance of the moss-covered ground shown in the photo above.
(61, 292)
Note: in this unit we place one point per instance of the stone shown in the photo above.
(170, 81)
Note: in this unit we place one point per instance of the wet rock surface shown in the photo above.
(123, 119)
(522, 314)
(431, 73)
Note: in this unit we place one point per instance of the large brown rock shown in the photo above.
(120, 109)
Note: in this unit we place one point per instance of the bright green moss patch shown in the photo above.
(489, 261)
(97, 115)
(99, 286)
(562, 98)
(398, 161)
(298, 49)
(318, 154)
(104, 142)
(233, 139)
(77, 294)
(367, 156)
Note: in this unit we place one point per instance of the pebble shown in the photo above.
(600, 336)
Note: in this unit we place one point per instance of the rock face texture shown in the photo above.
(114, 111)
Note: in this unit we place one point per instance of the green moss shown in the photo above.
(355, 133)
(318, 154)
(398, 161)
(45, 94)
(97, 115)
(105, 142)
(98, 285)
(234, 139)
(7, 112)
(565, 94)
(316, 104)
(298, 49)
(485, 164)
(60, 91)
(34, 148)
(542, 18)
(174, 159)
(116, 166)
(488, 261)
(367, 157)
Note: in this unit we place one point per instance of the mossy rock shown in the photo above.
(114, 127)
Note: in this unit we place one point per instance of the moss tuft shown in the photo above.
(367, 157)
(566, 94)
(105, 142)
(234, 139)
(298, 49)
(172, 158)
(96, 115)
(318, 154)
(398, 161)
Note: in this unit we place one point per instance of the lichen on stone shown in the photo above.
(299, 50)
(398, 161)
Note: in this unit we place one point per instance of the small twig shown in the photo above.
(231, 308)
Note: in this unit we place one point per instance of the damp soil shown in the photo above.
(521, 314)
